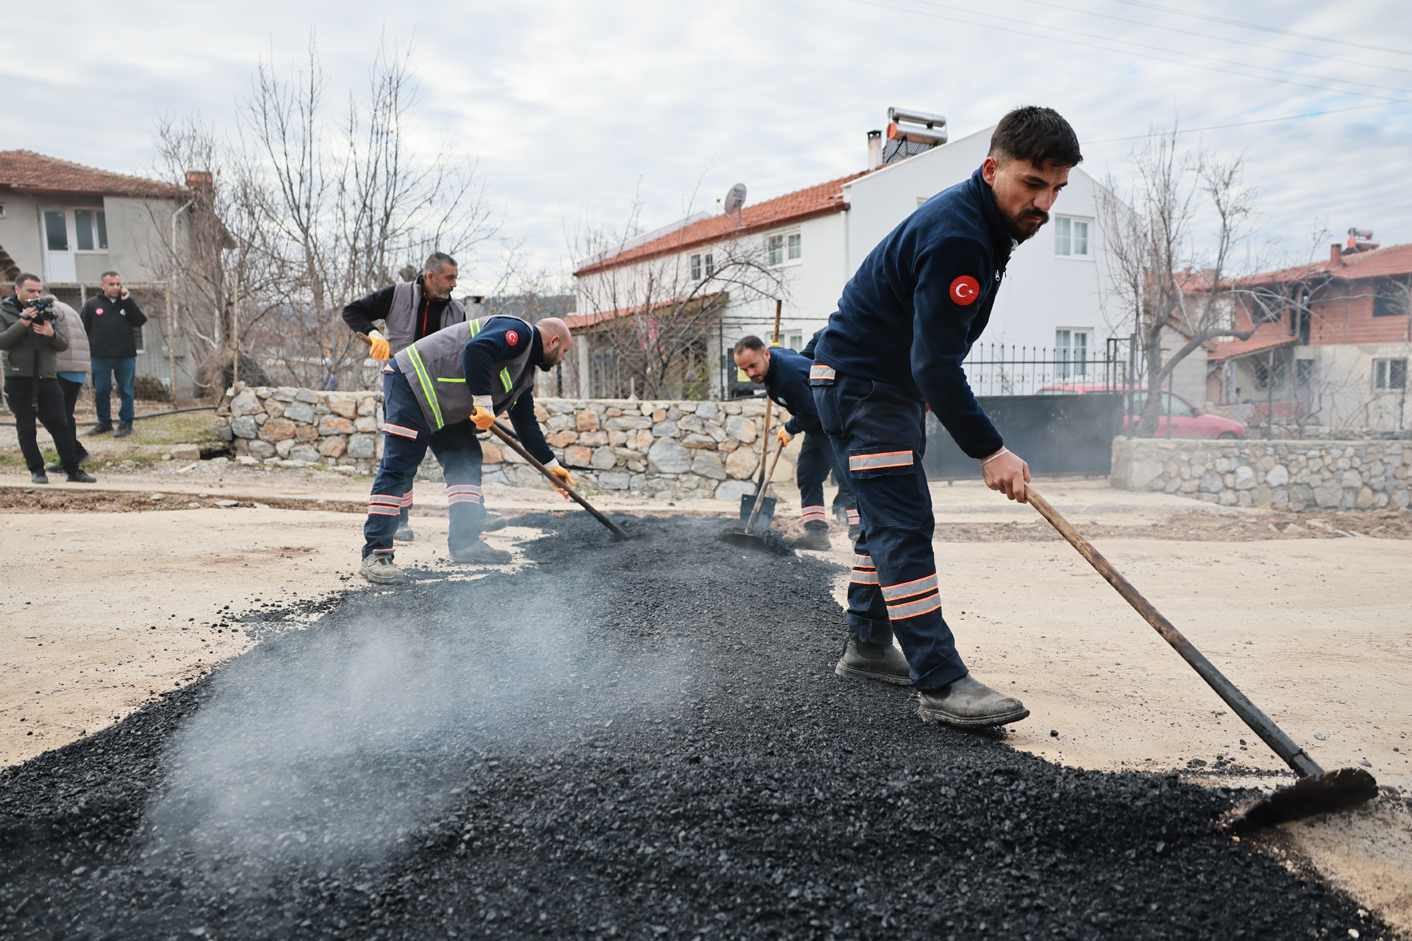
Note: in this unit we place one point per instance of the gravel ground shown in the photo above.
(638, 740)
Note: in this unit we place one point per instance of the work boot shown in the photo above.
(56, 467)
(38, 477)
(816, 539)
(404, 533)
(863, 660)
(379, 568)
(124, 429)
(481, 551)
(102, 428)
(969, 703)
(492, 522)
(78, 476)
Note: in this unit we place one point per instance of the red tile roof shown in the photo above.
(1267, 336)
(26, 171)
(1379, 263)
(791, 207)
(583, 321)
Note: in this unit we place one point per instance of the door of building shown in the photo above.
(58, 246)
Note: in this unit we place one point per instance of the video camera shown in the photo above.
(43, 307)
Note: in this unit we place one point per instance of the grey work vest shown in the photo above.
(402, 317)
(435, 370)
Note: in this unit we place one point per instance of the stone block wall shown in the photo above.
(1311, 475)
(664, 449)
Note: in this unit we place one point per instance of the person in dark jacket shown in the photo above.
(72, 366)
(905, 323)
(109, 320)
(785, 375)
(410, 311)
(31, 345)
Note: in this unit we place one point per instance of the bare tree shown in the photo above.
(658, 311)
(1151, 254)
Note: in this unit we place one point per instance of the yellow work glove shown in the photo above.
(783, 437)
(482, 418)
(564, 477)
(378, 347)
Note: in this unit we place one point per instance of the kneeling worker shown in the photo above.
(785, 374)
(463, 375)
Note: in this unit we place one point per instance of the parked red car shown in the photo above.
(1188, 421)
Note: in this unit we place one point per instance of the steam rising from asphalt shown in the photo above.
(326, 749)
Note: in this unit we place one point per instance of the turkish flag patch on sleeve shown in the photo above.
(512, 337)
(965, 289)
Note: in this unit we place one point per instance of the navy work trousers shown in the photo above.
(816, 459)
(879, 434)
(406, 439)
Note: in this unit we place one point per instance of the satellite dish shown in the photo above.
(735, 198)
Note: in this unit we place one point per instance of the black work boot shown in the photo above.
(38, 477)
(492, 522)
(79, 476)
(481, 551)
(863, 660)
(816, 539)
(404, 533)
(102, 428)
(124, 429)
(969, 703)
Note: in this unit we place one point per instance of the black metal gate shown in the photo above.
(1058, 409)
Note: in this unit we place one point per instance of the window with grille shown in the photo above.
(1389, 374)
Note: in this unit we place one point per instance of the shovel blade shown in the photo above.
(1315, 794)
(767, 509)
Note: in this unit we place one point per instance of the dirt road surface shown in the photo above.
(115, 597)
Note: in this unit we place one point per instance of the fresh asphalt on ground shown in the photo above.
(626, 740)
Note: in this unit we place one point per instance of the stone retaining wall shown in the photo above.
(657, 449)
(1361, 475)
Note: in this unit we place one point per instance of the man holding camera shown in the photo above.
(109, 320)
(31, 338)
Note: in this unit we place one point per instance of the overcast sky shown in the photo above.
(571, 107)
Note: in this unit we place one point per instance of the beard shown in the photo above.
(1024, 225)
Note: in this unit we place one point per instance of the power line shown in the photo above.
(1139, 45)
(1217, 127)
(1207, 35)
(1268, 29)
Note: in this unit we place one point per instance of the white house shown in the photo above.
(1048, 310)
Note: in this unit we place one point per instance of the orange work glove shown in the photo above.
(379, 349)
(482, 418)
(782, 437)
(564, 477)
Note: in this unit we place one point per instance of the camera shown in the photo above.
(43, 307)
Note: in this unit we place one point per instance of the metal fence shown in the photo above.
(1002, 369)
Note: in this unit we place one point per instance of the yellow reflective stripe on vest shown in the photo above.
(505, 380)
(428, 387)
(474, 325)
(439, 379)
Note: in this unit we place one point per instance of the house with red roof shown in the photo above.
(1330, 344)
(69, 223)
(811, 240)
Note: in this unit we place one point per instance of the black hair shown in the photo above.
(750, 342)
(1039, 135)
(26, 278)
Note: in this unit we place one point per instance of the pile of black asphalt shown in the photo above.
(624, 740)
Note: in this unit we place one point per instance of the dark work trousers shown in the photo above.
(406, 439)
(71, 391)
(878, 433)
(816, 459)
(19, 392)
(388, 371)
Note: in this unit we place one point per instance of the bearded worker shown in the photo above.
(905, 323)
(446, 386)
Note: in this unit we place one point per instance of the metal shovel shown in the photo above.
(748, 538)
(1317, 791)
(503, 435)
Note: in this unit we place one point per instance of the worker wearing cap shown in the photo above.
(411, 310)
(906, 321)
(785, 375)
(464, 375)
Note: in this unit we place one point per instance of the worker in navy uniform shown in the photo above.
(411, 310)
(464, 375)
(845, 509)
(905, 323)
(785, 375)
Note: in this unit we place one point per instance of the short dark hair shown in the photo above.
(438, 260)
(109, 274)
(1039, 135)
(25, 278)
(751, 342)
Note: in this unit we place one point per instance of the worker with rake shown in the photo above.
(436, 390)
(905, 323)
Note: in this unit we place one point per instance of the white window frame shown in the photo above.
(1383, 374)
(710, 261)
(696, 267)
(795, 341)
(100, 245)
(784, 249)
(1066, 238)
(1066, 364)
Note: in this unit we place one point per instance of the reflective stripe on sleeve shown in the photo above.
(908, 589)
(391, 429)
(820, 371)
(858, 462)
